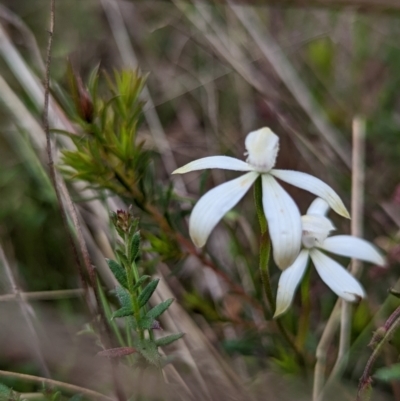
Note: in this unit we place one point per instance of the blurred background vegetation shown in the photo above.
(216, 71)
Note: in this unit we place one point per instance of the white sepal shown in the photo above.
(211, 207)
(353, 247)
(315, 229)
(336, 277)
(289, 281)
(222, 162)
(313, 185)
(318, 207)
(284, 222)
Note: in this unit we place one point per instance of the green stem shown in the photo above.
(259, 206)
(265, 245)
(265, 250)
(132, 276)
(305, 316)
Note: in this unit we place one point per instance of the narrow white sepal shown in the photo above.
(223, 162)
(284, 222)
(353, 247)
(318, 207)
(315, 186)
(336, 277)
(315, 229)
(320, 225)
(289, 281)
(211, 207)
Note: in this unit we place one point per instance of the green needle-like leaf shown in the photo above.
(159, 309)
(161, 342)
(124, 297)
(124, 311)
(140, 282)
(118, 271)
(134, 247)
(122, 258)
(147, 292)
(146, 323)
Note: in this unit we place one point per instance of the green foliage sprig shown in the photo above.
(135, 291)
(108, 154)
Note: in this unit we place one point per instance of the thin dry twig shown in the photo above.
(46, 98)
(43, 295)
(65, 386)
(52, 168)
(105, 333)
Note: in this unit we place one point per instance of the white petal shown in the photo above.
(224, 162)
(317, 224)
(315, 229)
(284, 222)
(262, 148)
(315, 186)
(353, 247)
(211, 207)
(288, 282)
(318, 207)
(336, 277)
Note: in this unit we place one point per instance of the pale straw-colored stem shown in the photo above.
(357, 207)
(322, 349)
(357, 211)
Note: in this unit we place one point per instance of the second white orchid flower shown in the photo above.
(316, 228)
(282, 214)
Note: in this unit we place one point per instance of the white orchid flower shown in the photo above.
(282, 214)
(316, 228)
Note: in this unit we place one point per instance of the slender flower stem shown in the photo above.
(265, 249)
(259, 206)
(265, 245)
(306, 307)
